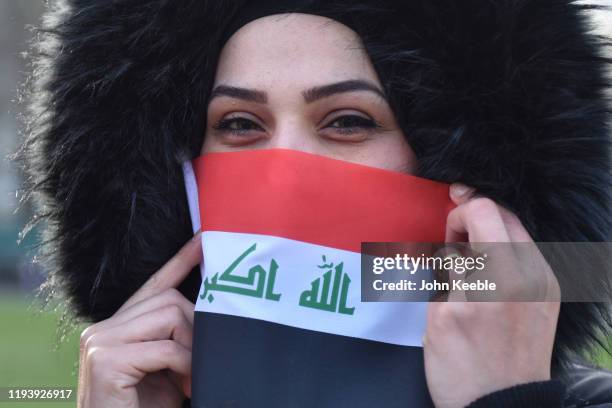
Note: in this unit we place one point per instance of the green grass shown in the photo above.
(31, 353)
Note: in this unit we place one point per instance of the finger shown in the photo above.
(166, 298)
(514, 226)
(460, 193)
(479, 219)
(129, 363)
(172, 273)
(457, 295)
(531, 258)
(505, 266)
(168, 322)
(181, 264)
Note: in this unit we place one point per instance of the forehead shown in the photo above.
(293, 50)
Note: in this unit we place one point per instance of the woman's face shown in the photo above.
(303, 82)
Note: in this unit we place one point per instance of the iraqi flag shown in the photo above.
(279, 320)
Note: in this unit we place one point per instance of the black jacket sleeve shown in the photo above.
(543, 394)
(583, 386)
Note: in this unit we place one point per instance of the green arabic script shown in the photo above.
(257, 283)
(330, 302)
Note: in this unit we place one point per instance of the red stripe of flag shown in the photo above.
(315, 199)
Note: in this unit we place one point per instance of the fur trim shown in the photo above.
(504, 95)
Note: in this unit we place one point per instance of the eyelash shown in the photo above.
(359, 123)
(224, 125)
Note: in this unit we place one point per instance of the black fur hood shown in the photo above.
(507, 96)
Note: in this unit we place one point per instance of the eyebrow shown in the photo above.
(250, 95)
(310, 95)
(320, 92)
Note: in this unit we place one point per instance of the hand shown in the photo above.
(141, 356)
(474, 348)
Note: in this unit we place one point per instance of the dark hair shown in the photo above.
(506, 96)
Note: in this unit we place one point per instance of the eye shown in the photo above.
(350, 124)
(237, 125)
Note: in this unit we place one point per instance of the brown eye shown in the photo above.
(237, 125)
(352, 124)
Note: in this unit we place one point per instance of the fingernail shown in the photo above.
(459, 190)
(197, 235)
(187, 387)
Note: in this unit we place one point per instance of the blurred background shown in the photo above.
(37, 346)
(36, 349)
